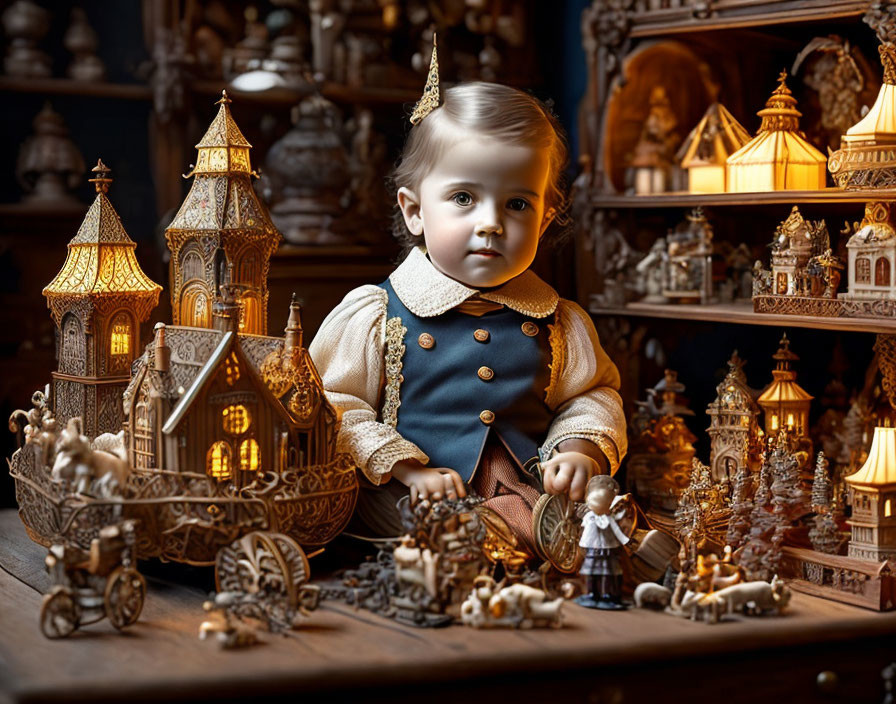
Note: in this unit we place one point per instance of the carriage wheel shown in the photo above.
(557, 527)
(124, 597)
(59, 614)
(272, 562)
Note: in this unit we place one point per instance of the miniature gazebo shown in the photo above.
(222, 233)
(785, 403)
(873, 497)
(778, 157)
(98, 300)
(704, 153)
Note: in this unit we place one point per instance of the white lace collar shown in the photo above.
(427, 292)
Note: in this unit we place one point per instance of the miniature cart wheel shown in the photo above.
(59, 613)
(557, 526)
(262, 562)
(124, 597)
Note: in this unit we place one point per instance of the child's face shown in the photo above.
(481, 209)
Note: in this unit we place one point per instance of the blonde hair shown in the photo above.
(492, 110)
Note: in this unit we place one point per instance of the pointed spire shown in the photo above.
(102, 180)
(431, 98)
(293, 331)
(780, 113)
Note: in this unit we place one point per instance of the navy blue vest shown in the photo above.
(446, 404)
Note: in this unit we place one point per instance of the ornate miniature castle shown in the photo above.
(97, 300)
(222, 234)
(732, 425)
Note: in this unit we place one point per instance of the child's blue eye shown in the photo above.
(462, 198)
(517, 204)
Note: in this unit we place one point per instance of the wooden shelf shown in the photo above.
(290, 96)
(742, 14)
(68, 86)
(689, 200)
(742, 313)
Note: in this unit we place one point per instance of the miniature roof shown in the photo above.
(101, 259)
(733, 393)
(223, 131)
(778, 139)
(716, 137)
(880, 467)
(879, 124)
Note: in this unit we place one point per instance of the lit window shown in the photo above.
(790, 421)
(774, 425)
(232, 369)
(236, 419)
(218, 461)
(249, 455)
(888, 509)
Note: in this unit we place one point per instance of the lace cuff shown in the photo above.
(596, 416)
(374, 447)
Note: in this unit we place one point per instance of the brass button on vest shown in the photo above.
(481, 335)
(529, 328)
(487, 417)
(426, 341)
(486, 373)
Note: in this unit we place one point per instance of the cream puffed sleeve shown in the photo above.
(584, 387)
(348, 354)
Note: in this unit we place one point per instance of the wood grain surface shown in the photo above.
(342, 653)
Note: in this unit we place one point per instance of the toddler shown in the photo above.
(464, 370)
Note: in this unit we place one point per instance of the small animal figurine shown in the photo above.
(602, 539)
(516, 606)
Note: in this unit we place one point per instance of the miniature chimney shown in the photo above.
(293, 331)
(162, 351)
(226, 308)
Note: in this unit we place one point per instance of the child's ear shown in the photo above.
(547, 219)
(409, 203)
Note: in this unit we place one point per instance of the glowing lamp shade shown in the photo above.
(880, 467)
(706, 150)
(785, 403)
(778, 158)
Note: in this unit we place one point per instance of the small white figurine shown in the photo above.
(602, 539)
(516, 606)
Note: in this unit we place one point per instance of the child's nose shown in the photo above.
(489, 223)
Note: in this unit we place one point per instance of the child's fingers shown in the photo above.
(562, 478)
(458, 483)
(547, 478)
(450, 489)
(578, 483)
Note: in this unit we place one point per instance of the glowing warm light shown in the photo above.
(790, 421)
(888, 508)
(774, 423)
(249, 455)
(879, 468)
(235, 419)
(218, 461)
(121, 339)
(704, 153)
(232, 370)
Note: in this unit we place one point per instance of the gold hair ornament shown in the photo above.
(431, 98)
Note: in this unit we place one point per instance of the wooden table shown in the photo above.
(344, 654)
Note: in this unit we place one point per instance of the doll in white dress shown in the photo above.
(602, 539)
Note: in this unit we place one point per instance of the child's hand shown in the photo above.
(568, 472)
(429, 482)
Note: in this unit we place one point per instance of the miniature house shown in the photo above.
(873, 497)
(221, 227)
(778, 157)
(732, 423)
(796, 241)
(228, 403)
(872, 255)
(785, 403)
(98, 300)
(707, 148)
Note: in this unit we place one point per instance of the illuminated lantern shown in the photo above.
(778, 158)
(98, 300)
(785, 403)
(867, 154)
(704, 153)
(872, 493)
(222, 234)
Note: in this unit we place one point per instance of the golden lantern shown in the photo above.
(779, 157)
(707, 148)
(872, 493)
(785, 403)
(867, 154)
(98, 300)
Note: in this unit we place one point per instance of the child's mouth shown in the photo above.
(486, 253)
